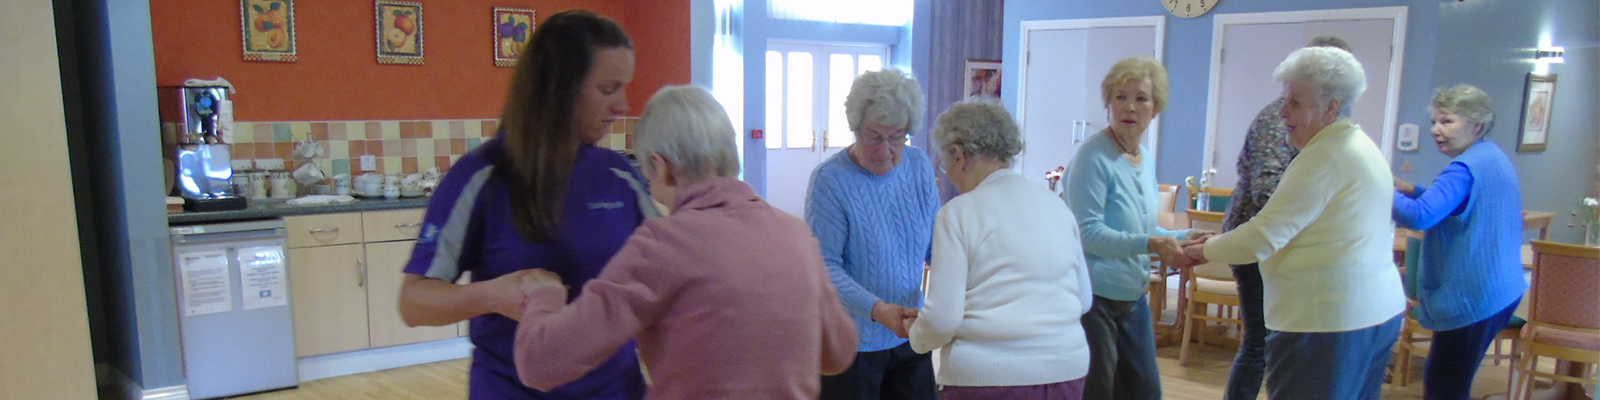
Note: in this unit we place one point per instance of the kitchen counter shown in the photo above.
(263, 209)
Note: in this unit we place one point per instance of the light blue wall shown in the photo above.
(1490, 44)
(115, 53)
(909, 49)
(1188, 60)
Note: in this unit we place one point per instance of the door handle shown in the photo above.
(361, 271)
(407, 225)
(326, 230)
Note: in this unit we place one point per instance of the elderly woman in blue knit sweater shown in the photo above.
(1469, 280)
(872, 208)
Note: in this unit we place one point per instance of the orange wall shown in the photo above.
(337, 76)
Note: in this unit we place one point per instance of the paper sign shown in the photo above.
(206, 282)
(261, 276)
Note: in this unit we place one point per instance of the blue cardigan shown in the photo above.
(1471, 266)
(1116, 204)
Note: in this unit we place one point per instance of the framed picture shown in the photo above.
(267, 30)
(982, 79)
(1537, 99)
(512, 29)
(399, 32)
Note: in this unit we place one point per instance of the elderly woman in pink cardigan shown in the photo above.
(728, 296)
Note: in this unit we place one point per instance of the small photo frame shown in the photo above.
(513, 27)
(267, 30)
(982, 79)
(1538, 98)
(399, 33)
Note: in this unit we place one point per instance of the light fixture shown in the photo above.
(1552, 55)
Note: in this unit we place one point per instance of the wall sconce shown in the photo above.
(1552, 55)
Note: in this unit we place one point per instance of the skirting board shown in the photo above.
(130, 390)
(355, 362)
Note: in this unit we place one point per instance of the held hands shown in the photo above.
(504, 295)
(895, 317)
(1170, 252)
(1196, 251)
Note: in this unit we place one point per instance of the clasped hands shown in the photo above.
(1182, 254)
(510, 291)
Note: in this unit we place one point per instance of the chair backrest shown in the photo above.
(1564, 281)
(1207, 220)
(1169, 195)
(1220, 197)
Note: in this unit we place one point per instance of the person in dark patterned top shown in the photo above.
(1265, 155)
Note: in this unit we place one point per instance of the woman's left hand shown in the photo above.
(1196, 252)
(1200, 235)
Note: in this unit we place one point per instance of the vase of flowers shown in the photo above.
(1053, 176)
(1588, 217)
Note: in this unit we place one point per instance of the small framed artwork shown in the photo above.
(267, 28)
(1537, 99)
(512, 29)
(399, 32)
(982, 79)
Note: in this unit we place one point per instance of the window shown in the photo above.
(806, 88)
(870, 12)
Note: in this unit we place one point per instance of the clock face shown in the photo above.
(1189, 8)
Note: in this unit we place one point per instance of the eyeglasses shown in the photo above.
(874, 140)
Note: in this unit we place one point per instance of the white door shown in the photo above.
(806, 87)
(1250, 52)
(1061, 103)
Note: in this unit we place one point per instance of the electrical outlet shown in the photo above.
(369, 163)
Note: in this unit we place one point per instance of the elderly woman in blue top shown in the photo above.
(1111, 188)
(1470, 277)
(872, 208)
(1333, 298)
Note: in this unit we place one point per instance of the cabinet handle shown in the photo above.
(408, 225)
(361, 269)
(325, 230)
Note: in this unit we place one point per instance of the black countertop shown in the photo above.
(265, 209)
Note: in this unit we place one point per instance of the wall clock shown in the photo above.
(1188, 8)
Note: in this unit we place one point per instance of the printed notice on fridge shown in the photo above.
(206, 282)
(262, 277)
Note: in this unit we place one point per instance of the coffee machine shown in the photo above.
(197, 117)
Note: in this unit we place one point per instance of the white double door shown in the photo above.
(806, 87)
(1060, 102)
(1250, 50)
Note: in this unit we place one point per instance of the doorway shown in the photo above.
(806, 86)
(1247, 48)
(1064, 61)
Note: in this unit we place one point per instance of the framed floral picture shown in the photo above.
(512, 29)
(982, 79)
(1537, 98)
(399, 36)
(267, 30)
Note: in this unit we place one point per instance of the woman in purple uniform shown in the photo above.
(537, 195)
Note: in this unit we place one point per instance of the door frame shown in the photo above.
(1028, 27)
(1397, 53)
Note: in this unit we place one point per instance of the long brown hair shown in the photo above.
(541, 138)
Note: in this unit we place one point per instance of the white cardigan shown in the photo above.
(1324, 240)
(1006, 287)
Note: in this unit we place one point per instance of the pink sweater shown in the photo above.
(728, 298)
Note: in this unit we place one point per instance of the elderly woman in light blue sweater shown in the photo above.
(872, 208)
(1469, 280)
(1111, 188)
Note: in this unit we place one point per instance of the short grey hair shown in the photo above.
(982, 128)
(690, 129)
(1468, 102)
(1335, 72)
(889, 97)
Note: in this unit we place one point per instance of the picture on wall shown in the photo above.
(512, 29)
(982, 79)
(267, 28)
(399, 32)
(1537, 100)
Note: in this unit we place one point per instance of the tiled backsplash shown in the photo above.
(403, 147)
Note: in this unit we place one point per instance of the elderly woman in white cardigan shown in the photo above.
(1008, 280)
(1333, 297)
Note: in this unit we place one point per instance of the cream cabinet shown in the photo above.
(347, 270)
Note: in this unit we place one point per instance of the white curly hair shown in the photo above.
(981, 128)
(889, 97)
(1335, 72)
(689, 128)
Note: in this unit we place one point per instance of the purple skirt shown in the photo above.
(1069, 390)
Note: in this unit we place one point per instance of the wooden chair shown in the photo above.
(1204, 286)
(1158, 272)
(1563, 315)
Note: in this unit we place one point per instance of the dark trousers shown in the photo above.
(1455, 355)
(1122, 351)
(894, 374)
(1069, 390)
(1250, 364)
(1346, 365)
